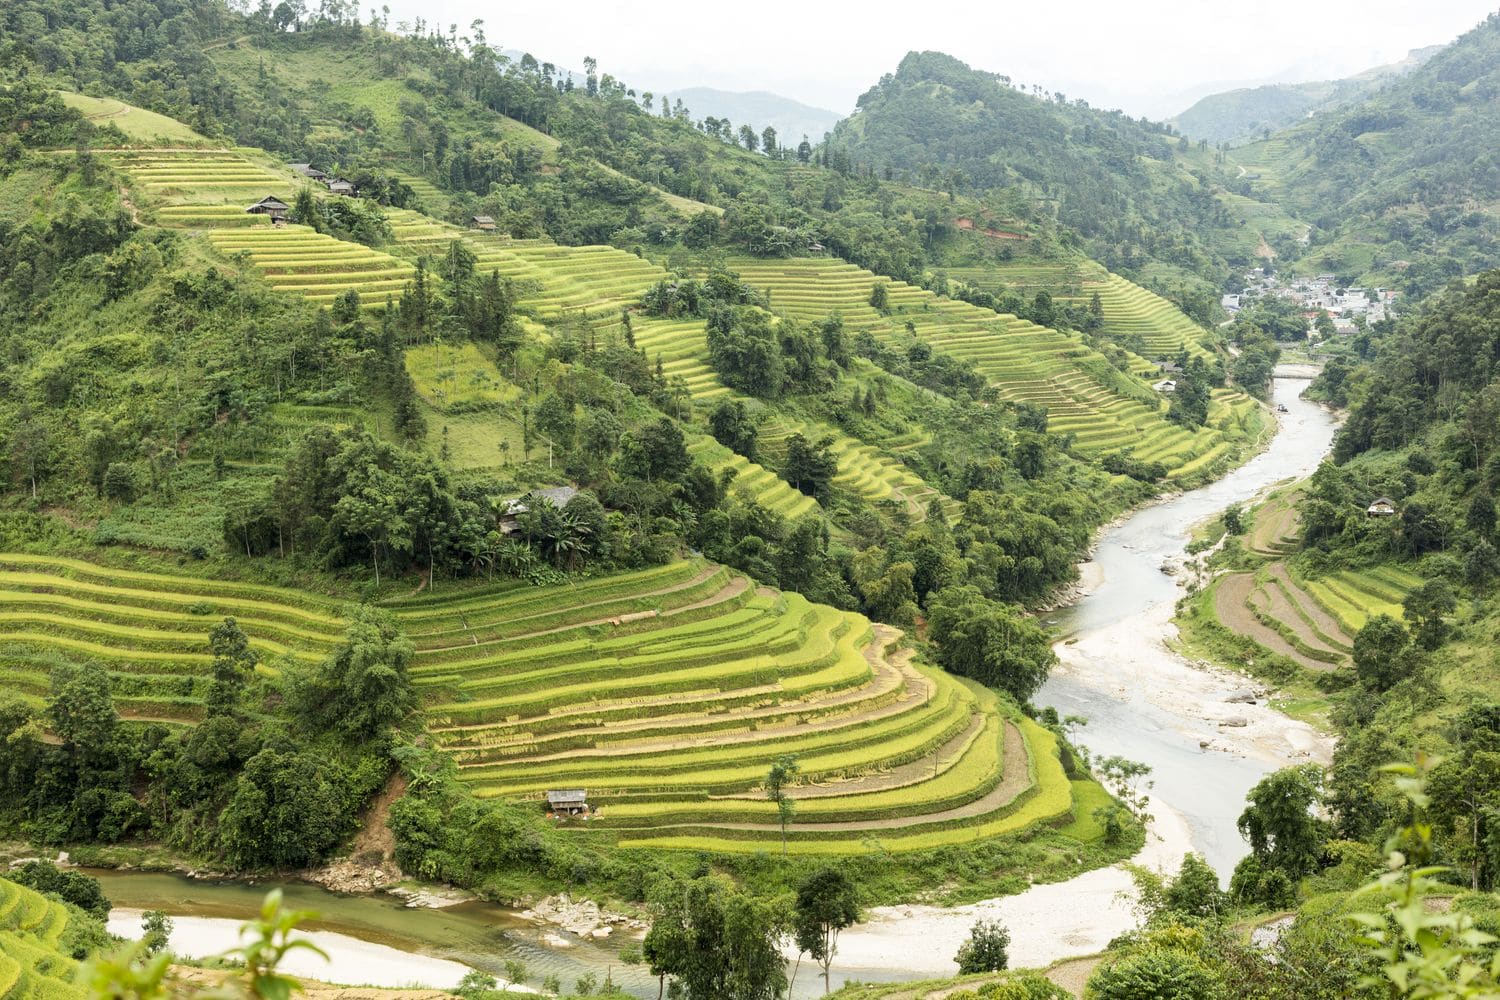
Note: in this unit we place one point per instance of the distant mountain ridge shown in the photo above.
(790, 118)
(1247, 113)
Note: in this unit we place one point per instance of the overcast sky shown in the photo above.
(1151, 57)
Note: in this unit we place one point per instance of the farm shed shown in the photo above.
(568, 802)
(1381, 507)
(308, 170)
(512, 509)
(1165, 385)
(481, 222)
(272, 206)
(341, 186)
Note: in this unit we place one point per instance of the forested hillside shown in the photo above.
(1238, 116)
(1139, 194)
(1400, 187)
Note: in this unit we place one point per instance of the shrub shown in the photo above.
(1155, 973)
(987, 949)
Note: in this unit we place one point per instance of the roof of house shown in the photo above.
(1382, 502)
(269, 201)
(559, 495)
(483, 220)
(567, 796)
(339, 182)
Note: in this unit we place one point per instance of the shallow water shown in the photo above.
(428, 942)
(1125, 618)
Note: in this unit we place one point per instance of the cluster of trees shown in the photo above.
(274, 775)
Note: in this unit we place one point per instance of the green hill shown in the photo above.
(1400, 186)
(1133, 189)
(1249, 113)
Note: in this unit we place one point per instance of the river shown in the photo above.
(1142, 701)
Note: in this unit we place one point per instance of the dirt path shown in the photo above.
(1074, 975)
(1231, 604)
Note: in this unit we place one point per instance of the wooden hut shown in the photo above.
(483, 222)
(308, 170)
(272, 206)
(340, 186)
(1381, 507)
(568, 802)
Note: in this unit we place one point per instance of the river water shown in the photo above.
(1142, 701)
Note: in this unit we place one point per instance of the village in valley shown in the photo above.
(1349, 308)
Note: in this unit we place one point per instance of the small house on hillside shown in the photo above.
(512, 508)
(308, 170)
(483, 222)
(1381, 507)
(568, 802)
(341, 186)
(1166, 385)
(1169, 368)
(272, 206)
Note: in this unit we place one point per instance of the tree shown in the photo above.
(810, 467)
(1481, 565)
(363, 687)
(990, 642)
(768, 141)
(986, 950)
(1381, 652)
(287, 810)
(232, 664)
(1280, 820)
(156, 931)
(655, 452)
(1234, 520)
(1426, 608)
(748, 138)
(714, 942)
(83, 715)
(826, 903)
(783, 770)
(1127, 780)
(1195, 891)
(880, 296)
(732, 426)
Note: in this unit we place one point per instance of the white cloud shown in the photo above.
(1149, 57)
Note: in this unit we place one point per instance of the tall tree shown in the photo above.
(827, 902)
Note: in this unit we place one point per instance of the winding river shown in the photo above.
(1143, 701)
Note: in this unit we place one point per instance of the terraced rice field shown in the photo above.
(150, 630)
(594, 282)
(32, 965)
(1356, 596)
(1131, 311)
(203, 188)
(1104, 409)
(752, 479)
(667, 694)
(316, 266)
(682, 347)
